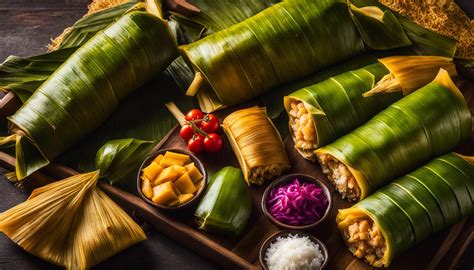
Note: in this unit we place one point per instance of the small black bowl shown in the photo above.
(186, 205)
(272, 238)
(302, 178)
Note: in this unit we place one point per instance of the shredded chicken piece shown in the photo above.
(366, 241)
(340, 176)
(302, 129)
(260, 174)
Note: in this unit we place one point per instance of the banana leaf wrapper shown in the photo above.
(257, 144)
(410, 209)
(285, 42)
(226, 205)
(88, 87)
(331, 108)
(425, 124)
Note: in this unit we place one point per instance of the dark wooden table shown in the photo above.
(26, 27)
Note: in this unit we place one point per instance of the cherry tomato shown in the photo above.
(194, 114)
(210, 123)
(186, 132)
(213, 142)
(196, 143)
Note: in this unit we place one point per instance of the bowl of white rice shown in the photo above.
(293, 250)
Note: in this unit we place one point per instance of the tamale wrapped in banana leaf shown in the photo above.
(88, 87)
(408, 210)
(285, 42)
(257, 144)
(320, 113)
(427, 123)
(71, 223)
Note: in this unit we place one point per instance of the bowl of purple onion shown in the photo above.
(297, 202)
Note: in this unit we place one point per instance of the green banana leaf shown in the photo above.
(424, 198)
(226, 205)
(422, 125)
(419, 218)
(453, 162)
(45, 127)
(217, 15)
(417, 197)
(257, 57)
(120, 159)
(336, 105)
(451, 178)
(387, 215)
(24, 75)
(213, 17)
(440, 191)
(273, 99)
(424, 42)
(379, 29)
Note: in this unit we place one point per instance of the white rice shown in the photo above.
(294, 253)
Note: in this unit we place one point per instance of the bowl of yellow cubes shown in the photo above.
(171, 179)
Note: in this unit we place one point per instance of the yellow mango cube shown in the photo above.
(171, 158)
(147, 189)
(184, 198)
(164, 194)
(184, 184)
(168, 174)
(158, 159)
(151, 171)
(193, 172)
(180, 170)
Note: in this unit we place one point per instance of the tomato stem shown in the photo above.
(196, 128)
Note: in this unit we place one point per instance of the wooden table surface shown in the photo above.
(26, 26)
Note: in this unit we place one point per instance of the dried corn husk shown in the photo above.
(71, 223)
(257, 144)
(408, 73)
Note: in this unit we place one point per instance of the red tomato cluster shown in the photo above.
(200, 132)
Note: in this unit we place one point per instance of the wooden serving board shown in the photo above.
(442, 249)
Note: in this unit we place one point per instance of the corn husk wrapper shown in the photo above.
(285, 42)
(256, 143)
(411, 208)
(71, 223)
(427, 123)
(84, 91)
(348, 100)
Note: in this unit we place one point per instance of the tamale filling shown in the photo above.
(340, 176)
(365, 241)
(302, 129)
